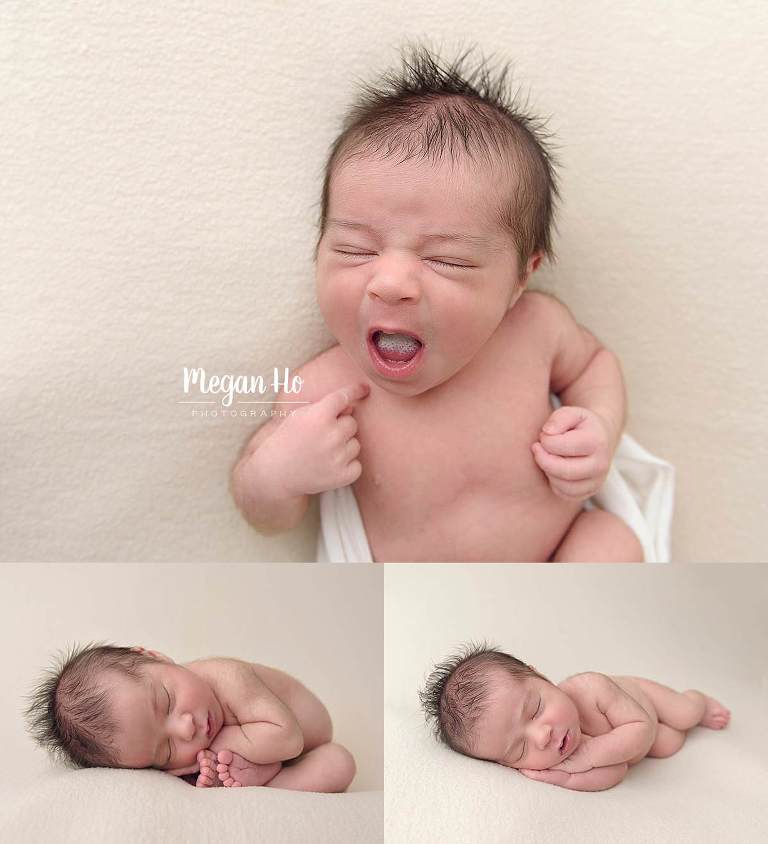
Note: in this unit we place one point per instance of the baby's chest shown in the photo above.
(476, 440)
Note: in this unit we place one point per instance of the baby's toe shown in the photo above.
(225, 757)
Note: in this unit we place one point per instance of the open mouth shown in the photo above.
(564, 743)
(396, 347)
(208, 725)
(394, 353)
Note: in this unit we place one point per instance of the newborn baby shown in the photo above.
(582, 734)
(231, 723)
(435, 403)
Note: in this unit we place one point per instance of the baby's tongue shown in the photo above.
(396, 347)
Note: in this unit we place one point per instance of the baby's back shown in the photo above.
(449, 474)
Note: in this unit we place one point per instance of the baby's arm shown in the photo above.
(265, 730)
(577, 442)
(598, 699)
(269, 510)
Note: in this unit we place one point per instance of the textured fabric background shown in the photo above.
(688, 627)
(160, 169)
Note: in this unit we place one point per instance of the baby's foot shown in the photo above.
(208, 776)
(716, 716)
(235, 771)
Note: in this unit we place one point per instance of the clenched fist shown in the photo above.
(574, 451)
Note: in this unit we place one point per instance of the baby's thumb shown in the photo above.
(562, 420)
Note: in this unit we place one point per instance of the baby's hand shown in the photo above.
(550, 775)
(578, 762)
(574, 452)
(315, 449)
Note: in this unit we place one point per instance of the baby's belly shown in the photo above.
(506, 514)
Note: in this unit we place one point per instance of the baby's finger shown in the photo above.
(347, 425)
(574, 443)
(563, 419)
(550, 776)
(341, 401)
(351, 450)
(564, 468)
(573, 490)
(352, 473)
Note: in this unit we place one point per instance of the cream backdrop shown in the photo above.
(700, 627)
(322, 624)
(161, 167)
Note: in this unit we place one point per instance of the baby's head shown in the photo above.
(437, 205)
(117, 707)
(487, 704)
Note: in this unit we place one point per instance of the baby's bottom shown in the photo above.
(678, 712)
(596, 536)
(327, 768)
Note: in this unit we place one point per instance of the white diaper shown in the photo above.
(639, 489)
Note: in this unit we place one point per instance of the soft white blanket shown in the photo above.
(101, 806)
(639, 489)
(714, 791)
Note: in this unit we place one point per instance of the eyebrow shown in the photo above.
(472, 240)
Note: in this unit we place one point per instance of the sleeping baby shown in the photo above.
(227, 722)
(582, 734)
(435, 404)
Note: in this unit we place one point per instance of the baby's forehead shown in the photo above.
(458, 178)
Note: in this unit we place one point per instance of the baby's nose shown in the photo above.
(393, 288)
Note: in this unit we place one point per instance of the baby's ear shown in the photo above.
(154, 654)
(532, 264)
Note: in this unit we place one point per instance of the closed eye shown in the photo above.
(170, 747)
(522, 752)
(432, 260)
(538, 709)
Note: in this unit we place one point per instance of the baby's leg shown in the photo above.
(682, 710)
(667, 742)
(599, 537)
(328, 768)
(233, 770)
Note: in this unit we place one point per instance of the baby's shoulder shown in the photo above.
(327, 372)
(221, 668)
(538, 314)
(587, 683)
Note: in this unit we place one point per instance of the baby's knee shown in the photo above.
(667, 742)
